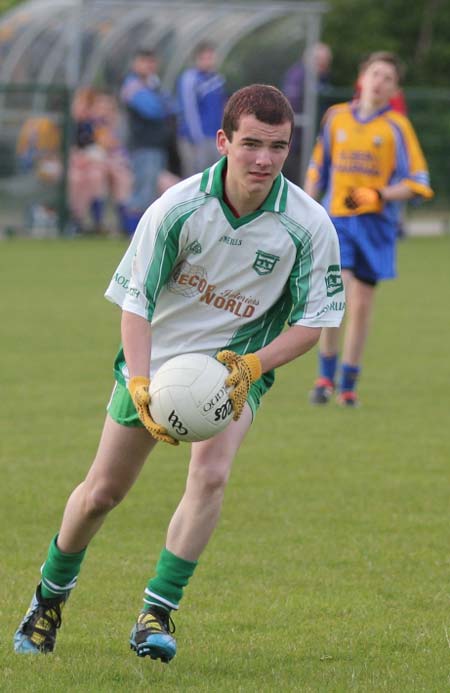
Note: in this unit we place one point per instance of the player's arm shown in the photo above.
(411, 174)
(317, 173)
(412, 169)
(142, 100)
(373, 199)
(289, 345)
(397, 192)
(245, 370)
(314, 183)
(312, 188)
(136, 341)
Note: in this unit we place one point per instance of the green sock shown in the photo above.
(172, 575)
(60, 571)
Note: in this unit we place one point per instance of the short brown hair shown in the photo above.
(267, 103)
(385, 57)
(203, 47)
(146, 53)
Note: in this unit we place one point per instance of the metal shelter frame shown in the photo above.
(174, 27)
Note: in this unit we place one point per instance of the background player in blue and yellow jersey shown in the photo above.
(366, 162)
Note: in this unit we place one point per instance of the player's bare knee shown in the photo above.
(209, 475)
(100, 500)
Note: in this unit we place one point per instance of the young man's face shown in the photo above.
(145, 65)
(379, 82)
(206, 60)
(256, 154)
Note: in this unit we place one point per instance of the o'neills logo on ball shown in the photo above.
(220, 394)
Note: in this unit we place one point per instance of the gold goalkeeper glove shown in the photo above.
(369, 198)
(138, 388)
(244, 370)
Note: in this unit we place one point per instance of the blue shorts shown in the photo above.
(368, 244)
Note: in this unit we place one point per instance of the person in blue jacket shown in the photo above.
(201, 100)
(150, 111)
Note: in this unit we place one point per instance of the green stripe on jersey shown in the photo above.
(166, 250)
(301, 275)
(258, 333)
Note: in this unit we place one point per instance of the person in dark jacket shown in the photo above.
(201, 100)
(318, 59)
(150, 111)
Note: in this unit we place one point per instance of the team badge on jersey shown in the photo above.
(264, 262)
(194, 248)
(377, 141)
(333, 280)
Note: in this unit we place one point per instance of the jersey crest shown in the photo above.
(195, 248)
(333, 280)
(264, 262)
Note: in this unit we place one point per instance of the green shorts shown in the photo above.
(122, 410)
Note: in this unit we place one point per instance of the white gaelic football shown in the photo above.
(188, 396)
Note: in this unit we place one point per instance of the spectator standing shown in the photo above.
(201, 101)
(149, 112)
(317, 58)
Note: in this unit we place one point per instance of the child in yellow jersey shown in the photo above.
(366, 162)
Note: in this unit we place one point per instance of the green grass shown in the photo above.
(330, 569)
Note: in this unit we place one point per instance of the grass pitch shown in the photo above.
(330, 569)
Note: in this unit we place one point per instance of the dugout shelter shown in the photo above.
(50, 47)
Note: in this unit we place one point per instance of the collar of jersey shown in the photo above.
(211, 184)
(354, 110)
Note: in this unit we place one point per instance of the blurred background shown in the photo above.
(52, 50)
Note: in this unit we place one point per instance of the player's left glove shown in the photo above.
(244, 370)
(370, 198)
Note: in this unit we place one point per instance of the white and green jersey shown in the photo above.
(207, 280)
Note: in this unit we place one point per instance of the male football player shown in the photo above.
(240, 232)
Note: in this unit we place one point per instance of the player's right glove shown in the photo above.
(244, 370)
(370, 198)
(138, 388)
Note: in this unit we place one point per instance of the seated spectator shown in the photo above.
(38, 151)
(87, 163)
(98, 165)
(118, 178)
(38, 148)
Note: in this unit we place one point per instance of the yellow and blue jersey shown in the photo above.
(375, 152)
